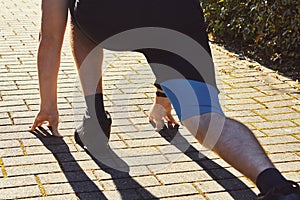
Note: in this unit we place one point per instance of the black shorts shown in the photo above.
(102, 19)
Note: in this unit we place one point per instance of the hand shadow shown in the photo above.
(235, 187)
(77, 178)
(82, 185)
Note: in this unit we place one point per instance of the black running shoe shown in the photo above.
(94, 140)
(93, 132)
(290, 191)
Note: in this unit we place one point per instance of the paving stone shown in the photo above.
(34, 150)
(32, 169)
(9, 144)
(270, 125)
(139, 171)
(282, 131)
(139, 135)
(274, 98)
(185, 197)
(146, 160)
(171, 190)
(57, 197)
(240, 113)
(173, 178)
(292, 176)
(251, 119)
(147, 142)
(210, 186)
(78, 176)
(283, 157)
(20, 192)
(130, 183)
(290, 147)
(78, 187)
(26, 160)
(18, 182)
(6, 121)
(239, 194)
(138, 152)
(288, 166)
(278, 104)
(278, 140)
(122, 194)
(279, 117)
(243, 95)
(219, 196)
(9, 152)
(275, 111)
(79, 166)
(175, 167)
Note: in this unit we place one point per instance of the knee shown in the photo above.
(204, 121)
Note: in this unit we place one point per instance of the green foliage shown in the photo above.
(269, 28)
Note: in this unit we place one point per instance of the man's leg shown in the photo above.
(199, 110)
(235, 143)
(95, 129)
(197, 105)
(93, 134)
(88, 58)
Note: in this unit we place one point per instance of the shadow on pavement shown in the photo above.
(82, 185)
(235, 187)
(77, 178)
(125, 184)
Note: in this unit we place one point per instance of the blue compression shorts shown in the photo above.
(190, 98)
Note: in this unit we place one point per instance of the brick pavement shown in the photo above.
(35, 167)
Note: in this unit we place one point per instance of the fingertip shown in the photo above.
(55, 132)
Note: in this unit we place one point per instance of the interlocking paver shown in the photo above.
(32, 169)
(67, 188)
(18, 182)
(282, 131)
(44, 168)
(20, 192)
(57, 197)
(129, 183)
(189, 177)
(284, 157)
(171, 190)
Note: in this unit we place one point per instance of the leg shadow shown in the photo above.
(83, 186)
(235, 187)
(77, 178)
(127, 187)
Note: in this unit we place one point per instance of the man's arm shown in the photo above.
(161, 110)
(53, 25)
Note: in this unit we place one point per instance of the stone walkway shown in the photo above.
(161, 167)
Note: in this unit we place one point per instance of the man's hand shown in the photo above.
(160, 111)
(51, 118)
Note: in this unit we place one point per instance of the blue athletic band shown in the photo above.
(190, 98)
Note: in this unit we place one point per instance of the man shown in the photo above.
(171, 34)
